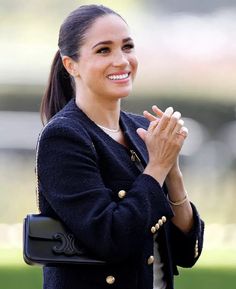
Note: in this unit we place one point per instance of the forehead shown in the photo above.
(108, 27)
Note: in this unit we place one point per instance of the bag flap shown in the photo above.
(43, 227)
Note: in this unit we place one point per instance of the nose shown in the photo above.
(120, 59)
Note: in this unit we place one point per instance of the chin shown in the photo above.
(122, 93)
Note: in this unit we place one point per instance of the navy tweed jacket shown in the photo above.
(96, 187)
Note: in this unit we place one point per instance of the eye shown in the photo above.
(128, 47)
(103, 50)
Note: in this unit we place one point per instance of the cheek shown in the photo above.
(134, 61)
(134, 64)
(97, 66)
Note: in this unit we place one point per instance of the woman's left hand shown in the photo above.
(174, 180)
(159, 113)
(151, 117)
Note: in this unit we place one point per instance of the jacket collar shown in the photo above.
(129, 124)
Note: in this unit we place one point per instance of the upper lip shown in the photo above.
(119, 73)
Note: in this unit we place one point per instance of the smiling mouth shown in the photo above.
(118, 77)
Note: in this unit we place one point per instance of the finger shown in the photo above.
(141, 132)
(175, 117)
(169, 111)
(178, 127)
(165, 118)
(157, 110)
(183, 132)
(153, 124)
(149, 116)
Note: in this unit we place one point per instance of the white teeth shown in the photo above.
(117, 77)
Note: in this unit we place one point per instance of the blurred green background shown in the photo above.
(187, 59)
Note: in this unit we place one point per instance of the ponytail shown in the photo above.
(59, 91)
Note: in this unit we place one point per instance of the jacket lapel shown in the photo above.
(130, 125)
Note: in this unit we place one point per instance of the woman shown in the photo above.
(112, 177)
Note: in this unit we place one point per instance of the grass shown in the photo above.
(20, 276)
(215, 270)
(207, 278)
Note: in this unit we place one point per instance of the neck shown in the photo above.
(105, 114)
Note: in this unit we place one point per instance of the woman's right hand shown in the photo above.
(164, 139)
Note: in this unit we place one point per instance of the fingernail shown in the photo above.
(177, 115)
(185, 130)
(169, 111)
(181, 122)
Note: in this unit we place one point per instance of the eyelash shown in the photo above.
(105, 50)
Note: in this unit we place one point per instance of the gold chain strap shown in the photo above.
(36, 174)
(36, 165)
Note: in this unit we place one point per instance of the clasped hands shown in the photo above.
(164, 139)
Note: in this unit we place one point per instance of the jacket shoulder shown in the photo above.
(63, 126)
(138, 119)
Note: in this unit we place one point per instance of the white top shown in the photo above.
(158, 274)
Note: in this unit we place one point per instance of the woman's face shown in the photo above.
(107, 62)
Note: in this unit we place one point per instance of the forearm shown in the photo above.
(183, 218)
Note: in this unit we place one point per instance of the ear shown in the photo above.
(70, 65)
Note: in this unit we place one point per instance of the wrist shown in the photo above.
(174, 174)
(157, 173)
(179, 201)
(175, 184)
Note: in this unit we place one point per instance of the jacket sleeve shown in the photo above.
(71, 183)
(187, 247)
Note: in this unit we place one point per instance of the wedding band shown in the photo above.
(179, 133)
(183, 131)
(154, 123)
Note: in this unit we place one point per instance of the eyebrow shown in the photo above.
(109, 42)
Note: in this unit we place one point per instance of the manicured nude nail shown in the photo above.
(169, 111)
(176, 114)
(184, 130)
(181, 122)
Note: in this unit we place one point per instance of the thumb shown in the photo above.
(142, 133)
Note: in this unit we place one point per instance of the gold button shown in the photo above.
(121, 194)
(196, 252)
(196, 249)
(110, 279)
(163, 219)
(150, 260)
(153, 229)
(160, 222)
(157, 226)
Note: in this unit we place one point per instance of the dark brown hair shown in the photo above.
(61, 87)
